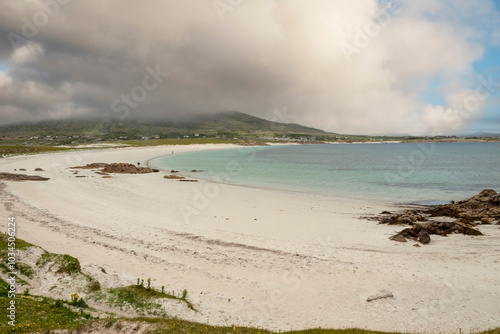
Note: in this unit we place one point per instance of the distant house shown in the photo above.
(196, 134)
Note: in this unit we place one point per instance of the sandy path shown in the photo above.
(280, 260)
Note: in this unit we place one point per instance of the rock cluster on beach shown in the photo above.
(460, 217)
(174, 177)
(22, 177)
(122, 168)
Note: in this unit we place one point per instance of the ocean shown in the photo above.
(426, 173)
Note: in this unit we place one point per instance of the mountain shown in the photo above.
(239, 122)
(226, 124)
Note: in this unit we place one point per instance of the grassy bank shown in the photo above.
(19, 149)
(35, 314)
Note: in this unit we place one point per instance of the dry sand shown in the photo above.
(276, 259)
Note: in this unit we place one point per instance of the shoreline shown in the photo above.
(280, 260)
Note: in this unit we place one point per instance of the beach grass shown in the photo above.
(20, 149)
(35, 314)
(39, 314)
(143, 300)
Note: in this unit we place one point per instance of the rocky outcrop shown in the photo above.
(407, 218)
(22, 177)
(125, 168)
(91, 166)
(121, 168)
(422, 232)
(459, 217)
(484, 205)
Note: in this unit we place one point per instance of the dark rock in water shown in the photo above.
(22, 169)
(386, 213)
(196, 171)
(424, 237)
(174, 171)
(22, 177)
(38, 170)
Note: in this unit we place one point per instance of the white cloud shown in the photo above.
(5, 80)
(263, 55)
(27, 53)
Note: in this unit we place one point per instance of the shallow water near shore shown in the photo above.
(426, 173)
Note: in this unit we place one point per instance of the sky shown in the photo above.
(419, 67)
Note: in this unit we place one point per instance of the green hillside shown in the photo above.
(222, 125)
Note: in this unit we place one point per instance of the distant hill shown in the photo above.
(483, 135)
(239, 122)
(225, 124)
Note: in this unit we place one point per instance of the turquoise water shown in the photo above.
(401, 173)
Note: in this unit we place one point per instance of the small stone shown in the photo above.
(424, 237)
(416, 245)
(399, 238)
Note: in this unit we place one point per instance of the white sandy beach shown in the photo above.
(276, 259)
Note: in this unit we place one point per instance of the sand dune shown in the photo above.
(276, 259)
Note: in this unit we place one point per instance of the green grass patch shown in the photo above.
(4, 245)
(4, 268)
(25, 269)
(40, 314)
(16, 150)
(139, 298)
(67, 264)
(175, 326)
(4, 288)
